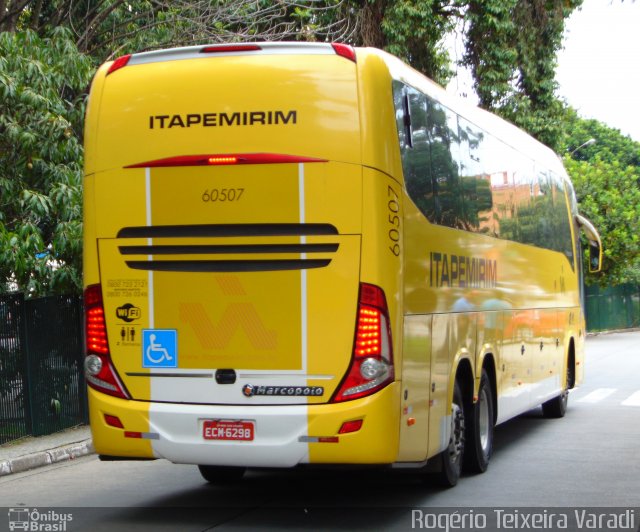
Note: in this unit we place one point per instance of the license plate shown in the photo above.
(221, 429)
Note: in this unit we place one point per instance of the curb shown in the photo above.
(43, 458)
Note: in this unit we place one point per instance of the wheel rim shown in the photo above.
(456, 442)
(484, 424)
(564, 398)
(565, 392)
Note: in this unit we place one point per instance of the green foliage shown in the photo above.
(412, 30)
(610, 146)
(606, 176)
(511, 49)
(490, 50)
(43, 82)
(609, 196)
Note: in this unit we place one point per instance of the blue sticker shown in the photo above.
(159, 348)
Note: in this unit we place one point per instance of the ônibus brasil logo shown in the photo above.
(38, 521)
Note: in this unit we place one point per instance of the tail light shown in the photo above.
(226, 159)
(229, 48)
(119, 63)
(344, 50)
(98, 368)
(371, 366)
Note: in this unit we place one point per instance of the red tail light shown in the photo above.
(344, 50)
(227, 48)
(226, 159)
(96, 329)
(99, 370)
(372, 358)
(119, 63)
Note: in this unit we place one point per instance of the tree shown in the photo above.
(108, 28)
(610, 146)
(511, 49)
(45, 69)
(606, 176)
(43, 84)
(609, 196)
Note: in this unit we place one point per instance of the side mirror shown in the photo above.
(595, 244)
(595, 257)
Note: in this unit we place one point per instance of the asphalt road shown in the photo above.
(590, 458)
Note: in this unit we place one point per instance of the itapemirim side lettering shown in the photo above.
(462, 271)
(246, 118)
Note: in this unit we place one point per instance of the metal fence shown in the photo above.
(42, 388)
(616, 307)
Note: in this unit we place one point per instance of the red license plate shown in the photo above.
(220, 429)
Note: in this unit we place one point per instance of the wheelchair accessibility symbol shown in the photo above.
(159, 348)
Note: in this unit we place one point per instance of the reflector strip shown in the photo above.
(142, 435)
(351, 426)
(226, 159)
(319, 439)
(113, 421)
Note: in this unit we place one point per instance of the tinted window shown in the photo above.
(460, 176)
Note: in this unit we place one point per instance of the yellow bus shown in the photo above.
(312, 254)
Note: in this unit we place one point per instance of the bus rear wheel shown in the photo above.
(557, 407)
(479, 437)
(452, 456)
(221, 474)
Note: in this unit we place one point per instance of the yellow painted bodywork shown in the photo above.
(346, 118)
(111, 441)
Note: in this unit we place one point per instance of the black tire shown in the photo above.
(451, 458)
(557, 407)
(221, 474)
(479, 429)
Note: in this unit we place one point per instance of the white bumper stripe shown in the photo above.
(276, 443)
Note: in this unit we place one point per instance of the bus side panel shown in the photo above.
(90, 267)
(454, 341)
(548, 359)
(514, 365)
(91, 121)
(379, 135)
(416, 381)
(576, 330)
(382, 244)
(440, 397)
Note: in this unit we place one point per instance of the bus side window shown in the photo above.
(562, 218)
(475, 182)
(411, 121)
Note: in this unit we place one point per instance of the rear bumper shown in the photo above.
(285, 435)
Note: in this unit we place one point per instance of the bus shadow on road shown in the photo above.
(517, 429)
(309, 498)
(344, 499)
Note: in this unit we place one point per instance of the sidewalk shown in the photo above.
(29, 453)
